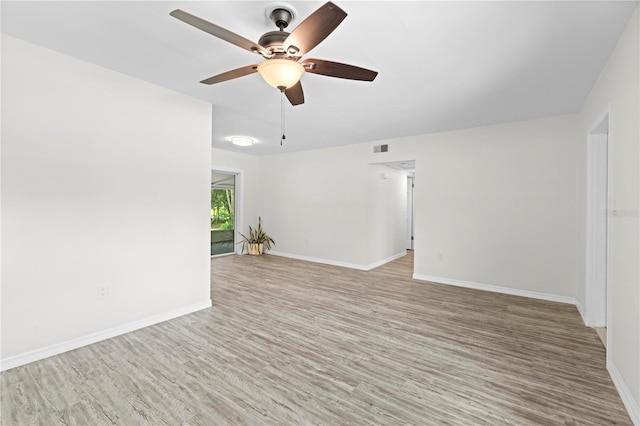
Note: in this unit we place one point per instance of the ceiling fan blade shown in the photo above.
(219, 32)
(314, 29)
(295, 94)
(229, 75)
(339, 70)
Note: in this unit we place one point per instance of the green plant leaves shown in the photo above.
(257, 236)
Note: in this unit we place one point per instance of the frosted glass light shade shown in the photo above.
(241, 140)
(280, 73)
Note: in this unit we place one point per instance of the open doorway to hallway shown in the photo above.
(598, 226)
(409, 167)
(410, 186)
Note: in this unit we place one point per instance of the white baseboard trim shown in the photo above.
(319, 260)
(625, 394)
(496, 289)
(339, 263)
(38, 354)
(387, 260)
(581, 312)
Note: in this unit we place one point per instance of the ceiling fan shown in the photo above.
(283, 51)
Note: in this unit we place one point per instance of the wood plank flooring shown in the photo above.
(295, 343)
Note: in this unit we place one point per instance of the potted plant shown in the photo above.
(257, 240)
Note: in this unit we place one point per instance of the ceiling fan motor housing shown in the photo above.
(273, 41)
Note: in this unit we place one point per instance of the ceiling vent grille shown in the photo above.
(381, 148)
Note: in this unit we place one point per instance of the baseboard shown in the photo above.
(581, 312)
(338, 263)
(38, 354)
(625, 394)
(387, 260)
(497, 289)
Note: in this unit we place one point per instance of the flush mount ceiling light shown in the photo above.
(281, 73)
(242, 140)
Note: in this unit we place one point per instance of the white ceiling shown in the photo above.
(442, 65)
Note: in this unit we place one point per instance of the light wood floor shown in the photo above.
(602, 334)
(296, 343)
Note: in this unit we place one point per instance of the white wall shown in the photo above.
(498, 203)
(619, 87)
(386, 213)
(329, 205)
(495, 206)
(248, 167)
(105, 182)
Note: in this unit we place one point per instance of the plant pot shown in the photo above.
(255, 249)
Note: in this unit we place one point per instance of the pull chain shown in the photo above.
(282, 122)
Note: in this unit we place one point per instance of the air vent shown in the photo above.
(381, 148)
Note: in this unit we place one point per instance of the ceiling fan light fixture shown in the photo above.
(282, 50)
(242, 140)
(281, 73)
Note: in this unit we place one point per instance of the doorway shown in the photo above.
(410, 186)
(223, 213)
(598, 226)
(409, 167)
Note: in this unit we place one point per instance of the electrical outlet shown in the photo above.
(103, 292)
(440, 256)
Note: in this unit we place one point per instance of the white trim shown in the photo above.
(339, 263)
(581, 312)
(596, 312)
(609, 306)
(318, 260)
(238, 210)
(238, 214)
(58, 348)
(625, 393)
(496, 289)
(387, 260)
(410, 197)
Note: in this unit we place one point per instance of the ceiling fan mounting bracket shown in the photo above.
(281, 14)
(281, 17)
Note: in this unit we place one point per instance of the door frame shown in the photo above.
(410, 187)
(238, 203)
(598, 311)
